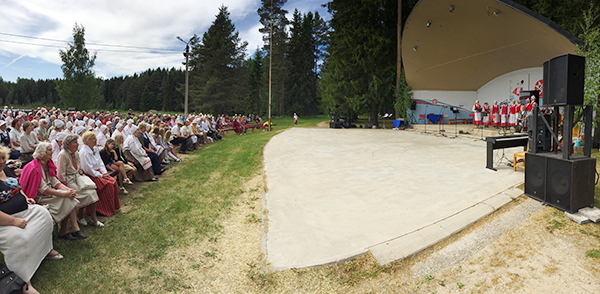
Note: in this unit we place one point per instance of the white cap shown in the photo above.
(59, 123)
(60, 136)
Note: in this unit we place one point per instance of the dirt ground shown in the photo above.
(546, 253)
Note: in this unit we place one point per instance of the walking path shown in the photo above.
(334, 194)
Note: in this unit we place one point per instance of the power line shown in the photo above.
(94, 44)
(92, 49)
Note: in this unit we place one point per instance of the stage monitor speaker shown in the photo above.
(570, 183)
(564, 80)
(535, 176)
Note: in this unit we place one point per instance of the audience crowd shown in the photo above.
(70, 166)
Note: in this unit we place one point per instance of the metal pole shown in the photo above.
(270, 62)
(187, 56)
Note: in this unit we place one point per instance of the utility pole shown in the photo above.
(187, 59)
(270, 62)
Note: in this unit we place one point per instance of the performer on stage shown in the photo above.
(504, 114)
(512, 114)
(496, 114)
(528, 106)
(477, 113)
(486, 114)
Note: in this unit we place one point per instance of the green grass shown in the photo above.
(186, 205)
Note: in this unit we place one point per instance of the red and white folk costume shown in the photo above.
(504, 115)
(495, 114)
(477, 113)
(486, 114)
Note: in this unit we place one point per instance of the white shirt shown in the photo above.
(126, 132)
(91, 162)
(56, 148)
(176, 130)
(101, 139)
(115, 134)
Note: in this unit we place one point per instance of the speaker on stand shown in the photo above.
(563, 180)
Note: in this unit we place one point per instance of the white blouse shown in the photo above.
(91, 162)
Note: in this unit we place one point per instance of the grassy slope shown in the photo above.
(185, 206)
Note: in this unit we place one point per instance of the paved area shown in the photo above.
(334, 194)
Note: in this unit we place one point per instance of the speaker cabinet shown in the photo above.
(413, 105)
(544, 136)
(535, 176)
(570, 183)
(564, 80)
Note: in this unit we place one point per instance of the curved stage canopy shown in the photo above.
(460, 45)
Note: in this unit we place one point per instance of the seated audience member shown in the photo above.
(57, 145)
(134, 152)
(179, 138)
(159, 150)
(102, 136)
(58, 127)
(25, 229)
(39, 181)
(28, 142)
(15, 134)
(7, 142)
(145, 141)
(164, 139)
(118, 130)
(158, 136)
(69, 169)
(111, 162)
(129, 166)
(42, 131)
(93, 167)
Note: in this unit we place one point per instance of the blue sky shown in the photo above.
(148, 24)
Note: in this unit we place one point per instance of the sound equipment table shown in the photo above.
(502, 142)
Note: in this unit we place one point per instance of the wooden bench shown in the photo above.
(457, 121)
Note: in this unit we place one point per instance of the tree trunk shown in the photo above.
(399, 57)
(373, 115)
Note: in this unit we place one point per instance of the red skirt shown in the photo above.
(108, 195)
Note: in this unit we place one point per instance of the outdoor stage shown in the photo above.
(334, 194)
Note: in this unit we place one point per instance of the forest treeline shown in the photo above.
(345, 64)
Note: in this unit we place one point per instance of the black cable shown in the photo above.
(94, 44)
(597, 177)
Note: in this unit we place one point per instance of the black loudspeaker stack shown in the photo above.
(562, 180)
(564, 78)
(565, 184)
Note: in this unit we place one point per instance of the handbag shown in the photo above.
(9, 281)
(85, 183)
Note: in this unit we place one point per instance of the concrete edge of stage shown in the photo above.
(416, 241)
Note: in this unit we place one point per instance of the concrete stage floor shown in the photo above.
(334, 194)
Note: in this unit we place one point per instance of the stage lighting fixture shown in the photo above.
(451, 8)
(429, 23)
(415, 48)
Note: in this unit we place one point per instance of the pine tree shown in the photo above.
(359, 73)
(217, 67)
(78, 89)
(255, 72)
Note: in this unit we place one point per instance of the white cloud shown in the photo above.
(152, 24)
